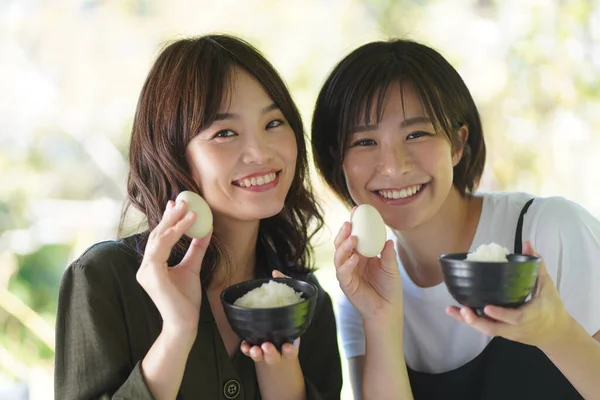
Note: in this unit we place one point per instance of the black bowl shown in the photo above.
(277, 325)
(476, 284)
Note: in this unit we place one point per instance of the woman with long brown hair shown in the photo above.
(140, 317)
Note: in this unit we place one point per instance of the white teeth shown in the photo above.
(400, 194)
(258, 180)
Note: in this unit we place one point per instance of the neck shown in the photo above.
(451, 230)
(238, 239)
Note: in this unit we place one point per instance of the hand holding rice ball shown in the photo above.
(369, 229)
(204, 217)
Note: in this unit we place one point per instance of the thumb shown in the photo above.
(389, 263)
(277, 274)
(528, 250)
(543, 275)
(195, 253)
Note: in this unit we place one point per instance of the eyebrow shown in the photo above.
(406, 123)
(415, 121)
(264, 110)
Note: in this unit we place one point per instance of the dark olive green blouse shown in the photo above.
(106, 323)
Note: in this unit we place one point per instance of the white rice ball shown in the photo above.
(489, 253)
(270, 295)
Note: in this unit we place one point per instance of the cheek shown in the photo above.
(443, 163)
(353, 173)
(204, 166)
(289, 148)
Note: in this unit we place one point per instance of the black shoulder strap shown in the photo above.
(519, 233)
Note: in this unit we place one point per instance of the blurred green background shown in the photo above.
(71, 72)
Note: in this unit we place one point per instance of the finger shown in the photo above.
(245, 348)
(159, 246)
(342, 234)
(352, 211)
(277, 274)
(289, 351)
(483, 325)
(195, 253)
(511, 316)
(173, 213)
(256, 354)
(454, 312)
(389, 261)
(344, 271)
(175, 232)
(528, 249)
(543, 275)
(344, 251)
(270, 352)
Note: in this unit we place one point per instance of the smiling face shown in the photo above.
(401, 165)
(244, 162)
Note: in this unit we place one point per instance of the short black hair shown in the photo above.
(362, 79)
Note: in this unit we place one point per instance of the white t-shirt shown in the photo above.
(562, 232)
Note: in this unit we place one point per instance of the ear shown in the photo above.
(462, 135)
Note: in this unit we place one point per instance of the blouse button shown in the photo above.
(231, 389)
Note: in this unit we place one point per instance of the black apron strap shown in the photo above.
(519, 233)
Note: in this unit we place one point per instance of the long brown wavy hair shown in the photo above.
(180, 98)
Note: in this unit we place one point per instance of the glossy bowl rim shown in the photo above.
(453, 257)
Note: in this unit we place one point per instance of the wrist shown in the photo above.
(569, 332)
(384, 326)
(281, 380)
(178, 336)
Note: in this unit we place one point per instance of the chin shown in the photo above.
(263, 211)
(401, 223)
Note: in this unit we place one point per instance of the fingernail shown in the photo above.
(296, 342)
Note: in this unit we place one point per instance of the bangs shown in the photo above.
(355, 93)
(364, 96)
(208, 86)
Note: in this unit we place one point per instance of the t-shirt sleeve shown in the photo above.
(92, 359)
(351, 328)
(568, 239)
(319, 353)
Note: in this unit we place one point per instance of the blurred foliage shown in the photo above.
(533, 68)
(25, 346)
(38, 277)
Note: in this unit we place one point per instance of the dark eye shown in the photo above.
(225, 133)
(416, 135)
(363, 142)
(274, 124)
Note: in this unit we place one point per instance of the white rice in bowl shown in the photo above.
(270, 295)
(489, 253)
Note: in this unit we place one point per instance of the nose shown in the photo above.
(395, 160)
(258, 149)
